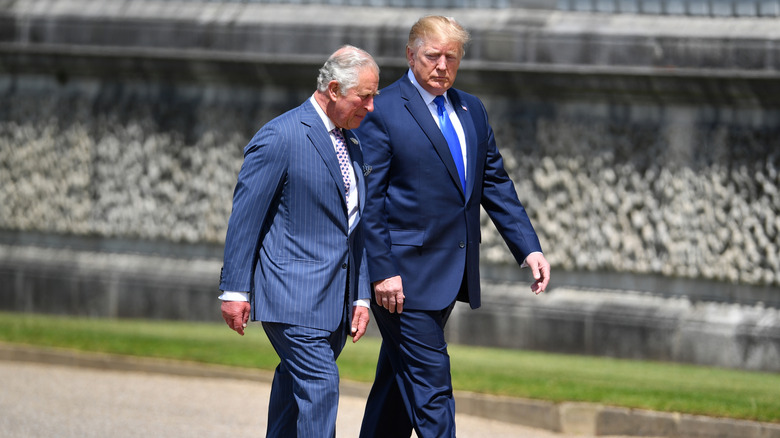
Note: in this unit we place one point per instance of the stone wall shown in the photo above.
(670, 193)
(642, 147)
(665, 193)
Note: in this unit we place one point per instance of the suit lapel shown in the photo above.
(356, 155)
(470, 132)
(416, 106)
(321, 141)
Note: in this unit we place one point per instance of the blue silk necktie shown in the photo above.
(452, 138)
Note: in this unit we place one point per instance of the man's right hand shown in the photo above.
(236, 314)
(390, 294)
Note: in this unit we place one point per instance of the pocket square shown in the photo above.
(366, 169)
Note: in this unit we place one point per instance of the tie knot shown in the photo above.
(337, 133)
(439, 100)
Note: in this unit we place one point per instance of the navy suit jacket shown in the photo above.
(419, 222)
(288, 242)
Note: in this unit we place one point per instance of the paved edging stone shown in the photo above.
(567, 417)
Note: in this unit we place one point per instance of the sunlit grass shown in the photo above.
(638, 384)
(554, 377)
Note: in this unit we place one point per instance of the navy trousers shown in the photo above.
(412, 389)
(305, 390)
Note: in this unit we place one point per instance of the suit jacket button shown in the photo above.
(343, 266)
(462, 244)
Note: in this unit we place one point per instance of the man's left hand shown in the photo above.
(360, 318)
(236, 314)
(540, 269)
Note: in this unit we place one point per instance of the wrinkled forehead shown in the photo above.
(438, 43)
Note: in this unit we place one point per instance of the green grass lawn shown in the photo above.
(555, 377)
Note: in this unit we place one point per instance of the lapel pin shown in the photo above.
(367, 169)
(354, 140)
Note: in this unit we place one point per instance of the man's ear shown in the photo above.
(333, 90)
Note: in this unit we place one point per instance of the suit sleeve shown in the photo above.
(377, 152)
(259, 182)
(500, 201)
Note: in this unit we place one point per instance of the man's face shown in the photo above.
(435, 64)
(349, 110)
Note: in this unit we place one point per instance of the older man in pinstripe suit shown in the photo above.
(294, 251)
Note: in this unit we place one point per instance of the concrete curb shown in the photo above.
(568, 417)
(600, 420)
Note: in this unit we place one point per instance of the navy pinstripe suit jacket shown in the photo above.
(288, 242)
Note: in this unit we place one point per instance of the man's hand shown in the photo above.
(540, 269)
(236, 314)
(360, 317)
(390, 294)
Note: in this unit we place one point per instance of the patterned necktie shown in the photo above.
(452, 138)
(343, 156)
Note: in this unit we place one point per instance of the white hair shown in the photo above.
(344, 66)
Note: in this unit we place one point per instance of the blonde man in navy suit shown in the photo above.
(294, 251)
(434, 162)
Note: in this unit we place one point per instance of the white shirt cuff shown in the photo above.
(228, 295)
(365, 302)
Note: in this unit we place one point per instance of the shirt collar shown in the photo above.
(329, 125)
(427, 97)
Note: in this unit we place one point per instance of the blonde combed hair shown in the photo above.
(437, 26)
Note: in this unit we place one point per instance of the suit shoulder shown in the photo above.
(290, 118)
(289, 122)
(278, 132)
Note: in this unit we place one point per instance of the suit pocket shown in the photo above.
(407, 237)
